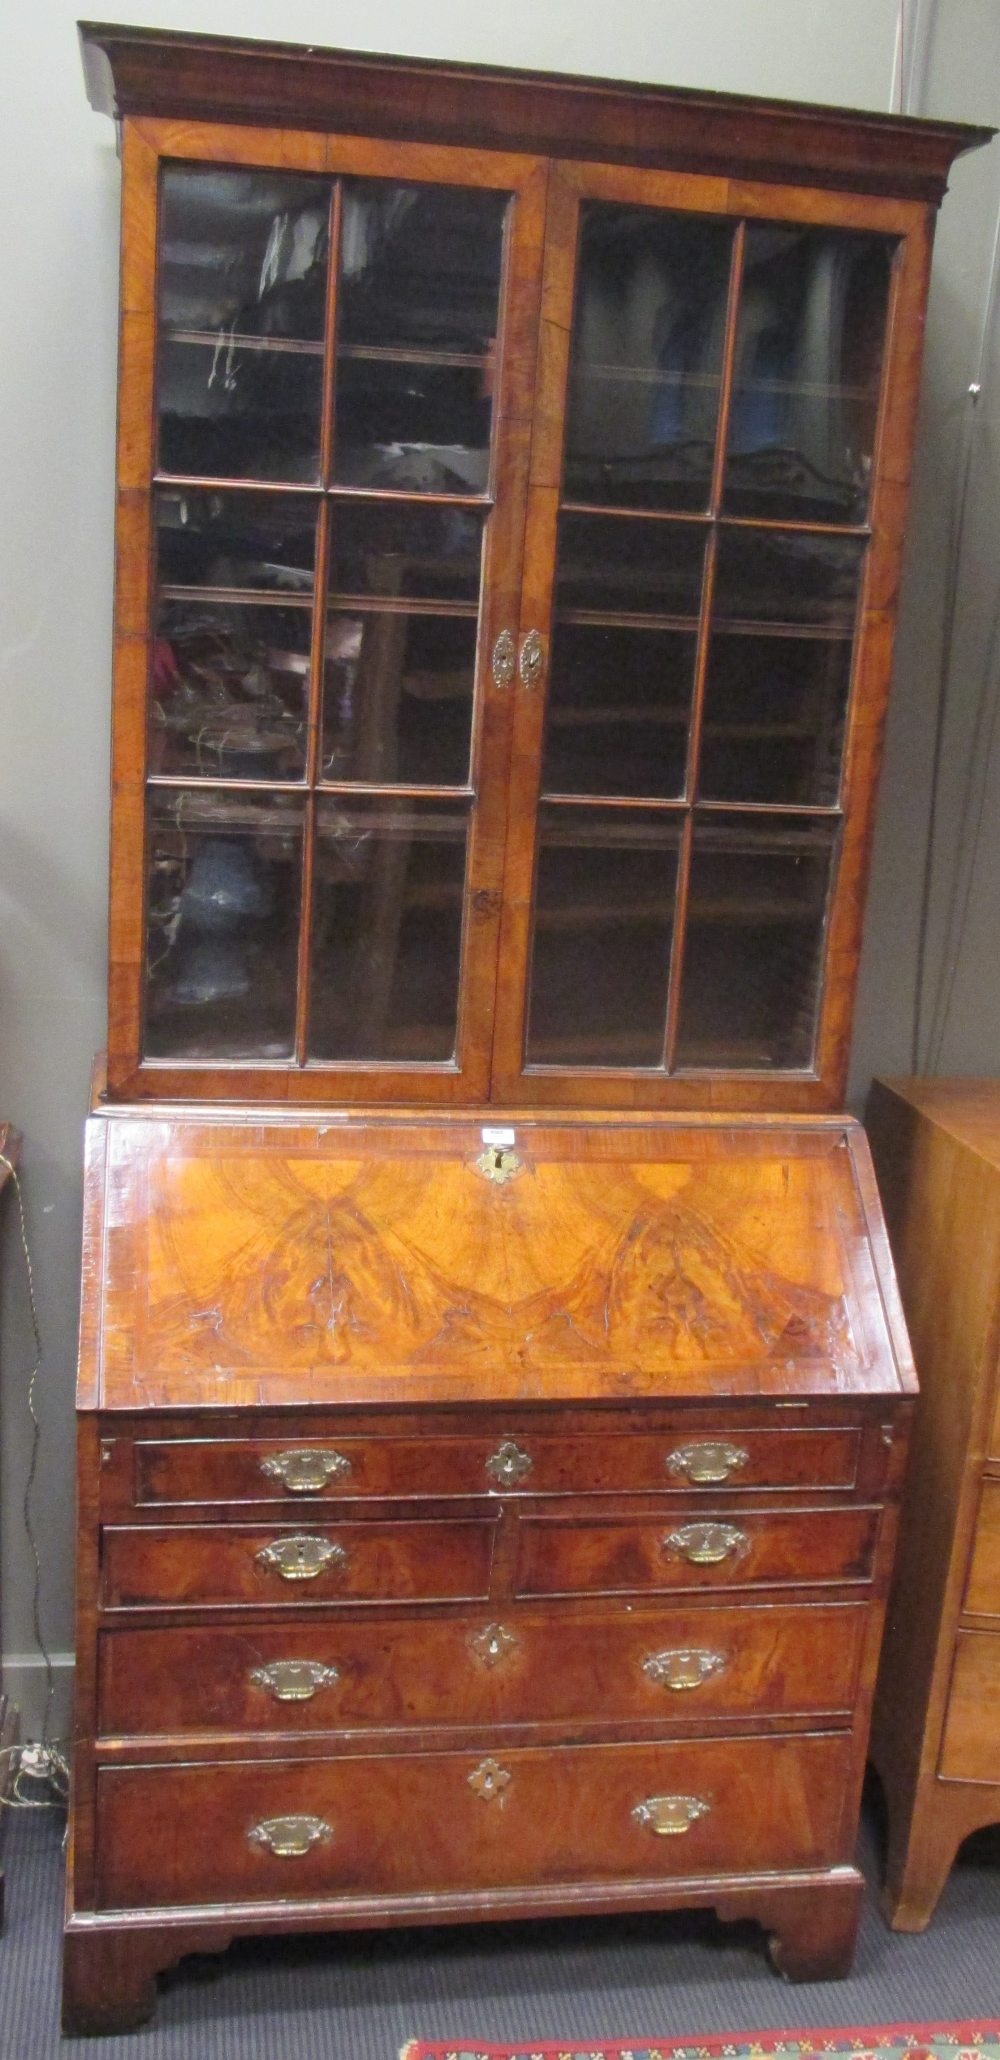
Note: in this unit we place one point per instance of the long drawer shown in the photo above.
(432, 1822)
(970, 1747)
(198, 1565)
(637, 1665)
(982, 1595)
(606, 1461)
(574, 1555)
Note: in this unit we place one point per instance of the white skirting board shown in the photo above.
(25, 1686)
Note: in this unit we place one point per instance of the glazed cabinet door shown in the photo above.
(726, 387)
(327, 369)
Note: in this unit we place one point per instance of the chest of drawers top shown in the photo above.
(372, 1261)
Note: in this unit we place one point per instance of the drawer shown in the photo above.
(428, 1823)
(204, 1565)
(970, 1748)
(982, 1595)
(577, 1556)
(605, 1461)
(642, 1665)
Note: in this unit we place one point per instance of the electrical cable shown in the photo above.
(56, 1776)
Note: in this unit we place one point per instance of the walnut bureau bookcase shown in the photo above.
(493, 1392)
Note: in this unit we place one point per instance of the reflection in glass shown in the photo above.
(420, 266)
(223, 894)
(242, 291)
(397, 705)
(779, 668)
(229, 690)
(264, 543)
(239, 411)
(648, 331)
(603, 924)
(389, 887)
(808, 364)
(753, 953)
(404, 548)
(416, 336)
(243, 253)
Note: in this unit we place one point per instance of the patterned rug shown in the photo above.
(978, 2040)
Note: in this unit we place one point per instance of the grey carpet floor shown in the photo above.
(359, 1996)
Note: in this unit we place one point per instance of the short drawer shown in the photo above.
(358, 1828)
(575, 1556)
(605, 1461)
(970, 1748)
(645, 1665)
(204, 1565)
(982, 1595)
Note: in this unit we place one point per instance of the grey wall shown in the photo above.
(58, 195)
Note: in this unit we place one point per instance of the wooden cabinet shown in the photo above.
(936, 1734)
(511, 486)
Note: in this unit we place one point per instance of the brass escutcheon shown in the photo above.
(707, 1463)
(306, 1471)
(504, 662)
(493, 1644)
(532, 658)
(294, 1680)
(290, 1837)
(508, 1464)
(302, 1558)
(489, 1780)
(498, 1163)
(670, 1815)
(687, 1667)
(707, 1544)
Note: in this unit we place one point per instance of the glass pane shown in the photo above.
(419, 296)
(399, 679)
(263, 543)
(229, 691)
(390, 883)
(648, 331)
(229, 675)
(242, 286)
(239, 411)
(753, 951)
(397, 697)
(603, 924)
(395, 547)
(622, 663)
(779, 667)
(222, 925)
(808, 365)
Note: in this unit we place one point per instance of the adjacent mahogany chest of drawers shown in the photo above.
(474, 1530)
(936, 1735)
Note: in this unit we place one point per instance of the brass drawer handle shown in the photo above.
(294, 1680)
(687, 1667)
(301, 1558)
(670, 1815)
(290, 1837)
(707, 1464)
(504, 662)
(707, 1544)
(493, 1644)
(508, 1464)
(306, 1472)
(532, 659)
